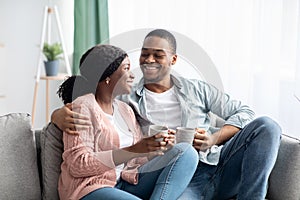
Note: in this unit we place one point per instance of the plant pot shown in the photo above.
(51, 67)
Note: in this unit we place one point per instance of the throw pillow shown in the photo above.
(51, 159)
(18, 168)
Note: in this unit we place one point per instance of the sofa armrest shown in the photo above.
(18, 169)
(284, 181)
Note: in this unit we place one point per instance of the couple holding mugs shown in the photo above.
(107, 156)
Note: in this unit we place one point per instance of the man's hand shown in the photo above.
(69, 121)
(203, 140)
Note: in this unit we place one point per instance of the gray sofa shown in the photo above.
(30, 162)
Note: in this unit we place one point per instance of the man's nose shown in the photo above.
(150, 59)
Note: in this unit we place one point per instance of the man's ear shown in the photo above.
(174, 59)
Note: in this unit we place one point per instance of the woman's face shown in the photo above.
(122, 78)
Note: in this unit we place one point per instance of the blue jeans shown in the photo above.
(164, 177)
(245, 164)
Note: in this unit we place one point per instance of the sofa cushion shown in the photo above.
(284, 181)
(51, 159)
(38, 150)
(18, 169)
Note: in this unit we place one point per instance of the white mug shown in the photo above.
(155, 129)
(185, 134)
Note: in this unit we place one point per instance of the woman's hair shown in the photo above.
(96, 64)
(65, 90)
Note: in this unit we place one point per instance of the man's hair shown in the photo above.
(165, 35)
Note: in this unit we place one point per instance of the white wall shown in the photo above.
(206, 22)
(254, 45)
(20, 35)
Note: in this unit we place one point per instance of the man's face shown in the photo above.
(156, 59)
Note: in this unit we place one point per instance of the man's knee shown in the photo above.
(268, 126)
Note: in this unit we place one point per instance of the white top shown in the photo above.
(166, 103)
(125, 136)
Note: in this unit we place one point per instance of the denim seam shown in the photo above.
(170, 172)
(220, 169)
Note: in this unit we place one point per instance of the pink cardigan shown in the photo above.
(87, 158)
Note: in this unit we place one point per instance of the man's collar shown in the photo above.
(140, 85)
(176, 81)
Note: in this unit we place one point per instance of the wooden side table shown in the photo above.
(47, 79)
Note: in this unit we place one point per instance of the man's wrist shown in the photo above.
(53, 121)
(55, 125)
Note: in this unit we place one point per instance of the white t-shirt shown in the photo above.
(125, 136)
(163, 108)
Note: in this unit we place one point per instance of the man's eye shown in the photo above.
(159, 56)
(144, 55)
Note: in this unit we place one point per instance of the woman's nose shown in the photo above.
(131, 75)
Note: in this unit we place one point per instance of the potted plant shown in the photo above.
(52, 53)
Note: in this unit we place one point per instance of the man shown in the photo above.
(235, 160)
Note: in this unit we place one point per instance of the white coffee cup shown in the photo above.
(185, 134)
(155, 129)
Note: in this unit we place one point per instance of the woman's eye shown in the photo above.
(127, 67)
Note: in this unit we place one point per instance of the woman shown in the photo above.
(109, 160)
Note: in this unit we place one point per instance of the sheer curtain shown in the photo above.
(255, 45)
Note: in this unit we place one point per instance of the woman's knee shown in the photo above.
(187, 150)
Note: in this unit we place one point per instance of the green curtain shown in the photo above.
(90, 27)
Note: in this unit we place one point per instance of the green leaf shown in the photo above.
(52, 52)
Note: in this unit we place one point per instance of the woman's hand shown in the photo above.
(69, 121)
(154, 145)
(170, 139)
(149, 144)
(146, 147)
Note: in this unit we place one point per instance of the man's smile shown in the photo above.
(151, 66)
